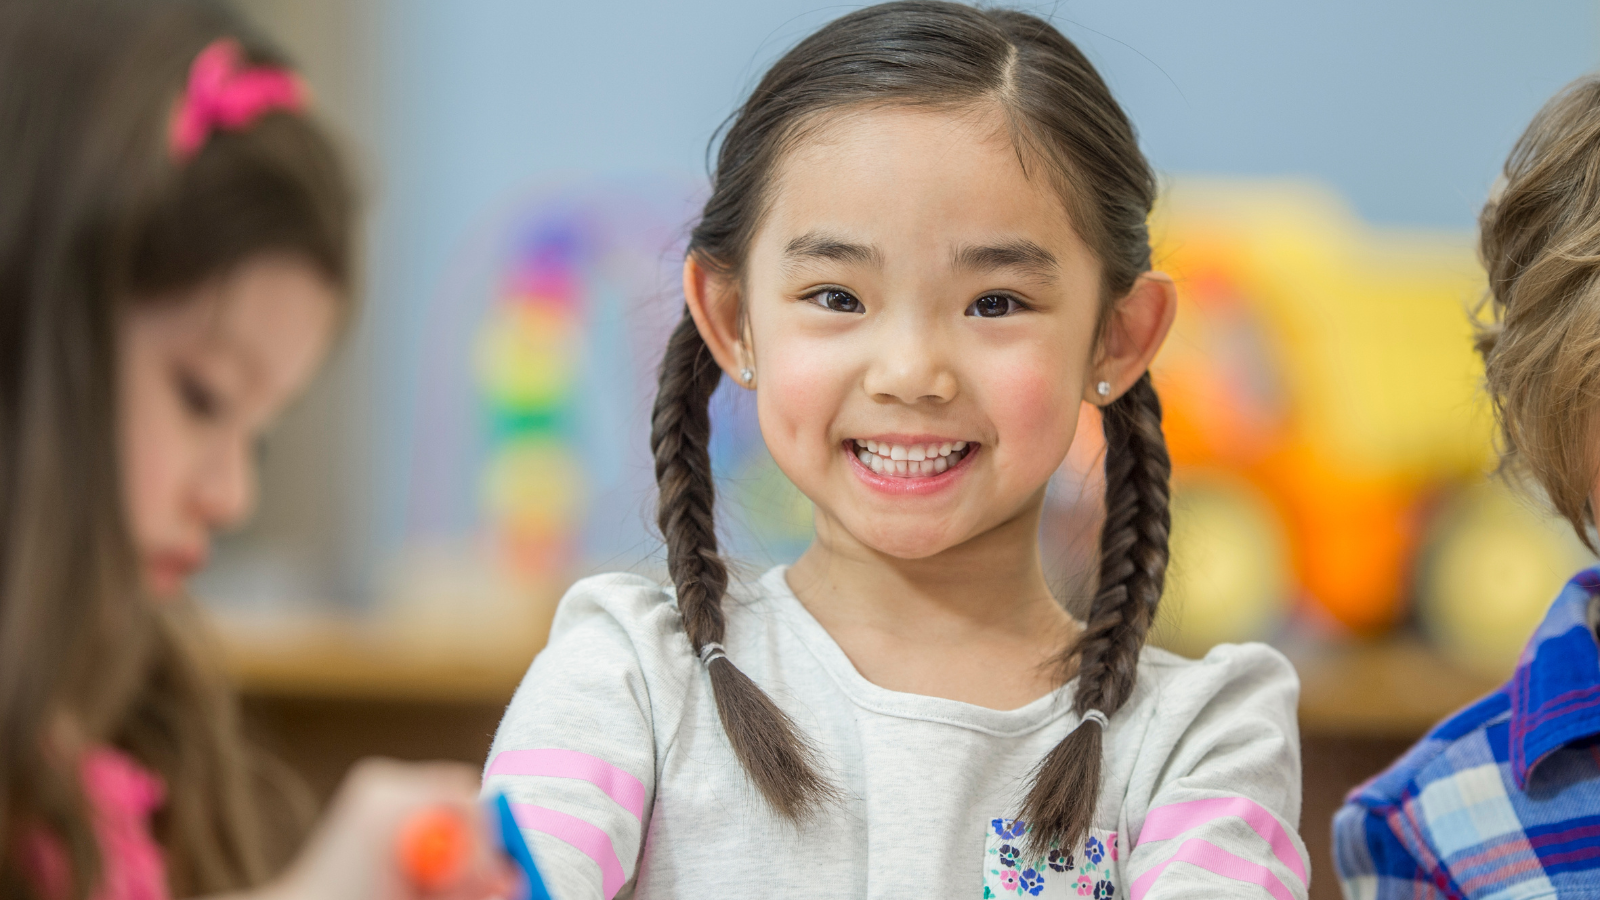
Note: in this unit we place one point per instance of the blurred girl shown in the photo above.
(175, 257)
(1503, 799)
(924, 249)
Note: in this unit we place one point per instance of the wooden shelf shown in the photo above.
(1395, 687)
(353, 660)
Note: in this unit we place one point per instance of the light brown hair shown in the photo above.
(943, 56)
(98, 218)
(1539, 327)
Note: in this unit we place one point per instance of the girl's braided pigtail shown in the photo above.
(1133, 563)
(774, 753)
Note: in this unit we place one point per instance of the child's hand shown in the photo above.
(353, 853)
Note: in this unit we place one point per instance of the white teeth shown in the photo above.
(915, 460)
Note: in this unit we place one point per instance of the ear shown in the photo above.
(713, 301)
(1139, 325)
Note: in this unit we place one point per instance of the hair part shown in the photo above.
(939, 56)
(1538, 328)
(98, 220)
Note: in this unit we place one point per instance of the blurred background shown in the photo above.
(532, 169)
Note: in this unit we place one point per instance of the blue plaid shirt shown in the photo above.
(1502, 800)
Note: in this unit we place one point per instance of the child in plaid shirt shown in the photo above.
(1503, 799)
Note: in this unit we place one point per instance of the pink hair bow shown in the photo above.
(222, 95)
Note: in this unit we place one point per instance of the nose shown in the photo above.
(225, 492)
(913, 363)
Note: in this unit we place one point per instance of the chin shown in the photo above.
(905, 546)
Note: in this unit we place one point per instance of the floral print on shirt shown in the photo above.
(1086, 870)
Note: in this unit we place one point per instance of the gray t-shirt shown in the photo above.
(617, 767)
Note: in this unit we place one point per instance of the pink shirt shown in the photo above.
(122, 795)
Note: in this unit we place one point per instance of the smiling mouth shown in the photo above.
(910, 460)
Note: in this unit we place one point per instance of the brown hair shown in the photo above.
(98, 217)
(1539, 332)
(934, 55)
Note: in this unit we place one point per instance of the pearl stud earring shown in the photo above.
(747, 376)
(1103, 389)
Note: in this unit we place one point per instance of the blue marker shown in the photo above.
(517, 848)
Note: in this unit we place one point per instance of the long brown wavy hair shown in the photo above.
(96, 217)
(932, 55)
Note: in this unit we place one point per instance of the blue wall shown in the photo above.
(1404, 106)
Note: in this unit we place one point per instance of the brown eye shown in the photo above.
(993, 306)
(837, 300)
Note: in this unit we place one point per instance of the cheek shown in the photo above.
(1035, 412)
(796, 401)
(800, 393)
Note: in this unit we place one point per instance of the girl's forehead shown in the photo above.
(915, 175)
(272, 318)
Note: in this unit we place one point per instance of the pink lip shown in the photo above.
(902, 486)
(168, 570)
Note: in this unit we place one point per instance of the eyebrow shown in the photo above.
(820, 245)
(1022, 255)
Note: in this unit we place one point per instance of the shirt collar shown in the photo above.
(1555, 691)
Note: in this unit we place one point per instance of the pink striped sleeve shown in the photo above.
(627, 790)
(1167, 822)
(589, 840)
(1217, 861)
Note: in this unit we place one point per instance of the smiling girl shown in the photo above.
(924, 250)
(175, 259)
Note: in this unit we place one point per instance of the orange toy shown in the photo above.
(433, 847)
(1325, 368)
